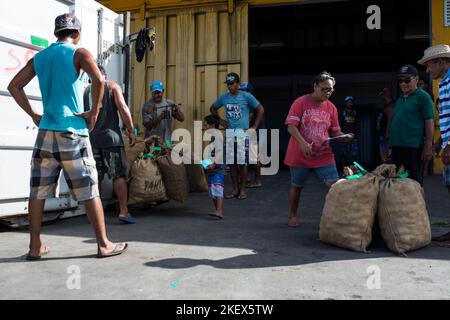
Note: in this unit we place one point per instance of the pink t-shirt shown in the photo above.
(316, 123)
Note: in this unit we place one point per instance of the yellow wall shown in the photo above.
(440, 35)
(195, 49)
(138, 5)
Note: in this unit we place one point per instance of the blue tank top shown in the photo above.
(61, 88)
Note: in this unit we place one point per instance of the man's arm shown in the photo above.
(150, 120)
(389, 115)
(427, 151)
(305, 146)
(214, 112)
(15, 87)
(84, 61)
(177, 113)
(259, 116)
(123, 109)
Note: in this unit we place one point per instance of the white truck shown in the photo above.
(26, 27)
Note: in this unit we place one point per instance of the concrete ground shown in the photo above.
(177, 252)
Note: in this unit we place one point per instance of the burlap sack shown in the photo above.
(402, 214)
(196, 177)
(175, 179)
(134, 151)
(349, 213)
(146, 185)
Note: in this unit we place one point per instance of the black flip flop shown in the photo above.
(29, 257)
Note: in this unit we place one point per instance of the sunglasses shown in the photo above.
(407, 80)
(230, 83)
(326, 90)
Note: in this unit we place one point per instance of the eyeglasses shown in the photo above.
(407, 80)
(326, 90)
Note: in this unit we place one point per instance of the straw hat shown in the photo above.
(435, 52)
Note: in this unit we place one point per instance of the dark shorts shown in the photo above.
(327, 174)
(55, 151)
(111, 162)
(410, 158)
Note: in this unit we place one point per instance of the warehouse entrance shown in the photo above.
(289, 44)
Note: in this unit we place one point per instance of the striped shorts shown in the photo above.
(72, 153)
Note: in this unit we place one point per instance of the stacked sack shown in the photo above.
(155, 178)
(398, 202)
(146, 182)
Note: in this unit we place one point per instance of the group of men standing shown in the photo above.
(63, 141)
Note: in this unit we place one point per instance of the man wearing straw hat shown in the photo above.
(437, 61)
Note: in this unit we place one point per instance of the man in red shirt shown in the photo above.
(311, 121)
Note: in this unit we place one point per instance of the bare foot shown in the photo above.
(293, 222)
(112, 249)
(217, 215)
(35, 254)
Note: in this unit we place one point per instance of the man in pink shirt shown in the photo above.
(311, 121)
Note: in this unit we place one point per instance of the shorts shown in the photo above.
(237, 151)
(446, 175)
(216, 185)
(111, 162)
(72, 153)
(326, 174)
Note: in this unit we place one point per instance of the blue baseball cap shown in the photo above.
(246, 86)
(348, 98)
(157, 86)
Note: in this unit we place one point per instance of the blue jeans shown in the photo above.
(327, 174)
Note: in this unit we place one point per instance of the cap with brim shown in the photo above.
(408, 71)
(67, 21)
(435, 52)
(157, 86)
(232, 77)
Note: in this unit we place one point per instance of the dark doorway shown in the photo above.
(289, 44)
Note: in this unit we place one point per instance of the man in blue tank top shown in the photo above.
(62, 142)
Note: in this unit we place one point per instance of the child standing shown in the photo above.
(215, 172)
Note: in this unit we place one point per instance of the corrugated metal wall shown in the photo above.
(195, 48)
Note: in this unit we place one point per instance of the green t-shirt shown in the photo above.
(408, 122)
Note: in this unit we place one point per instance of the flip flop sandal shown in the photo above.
(113, 253)
(254, 185)
(242, 197)
(215, 216)
(34, 258)
(231, 196)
